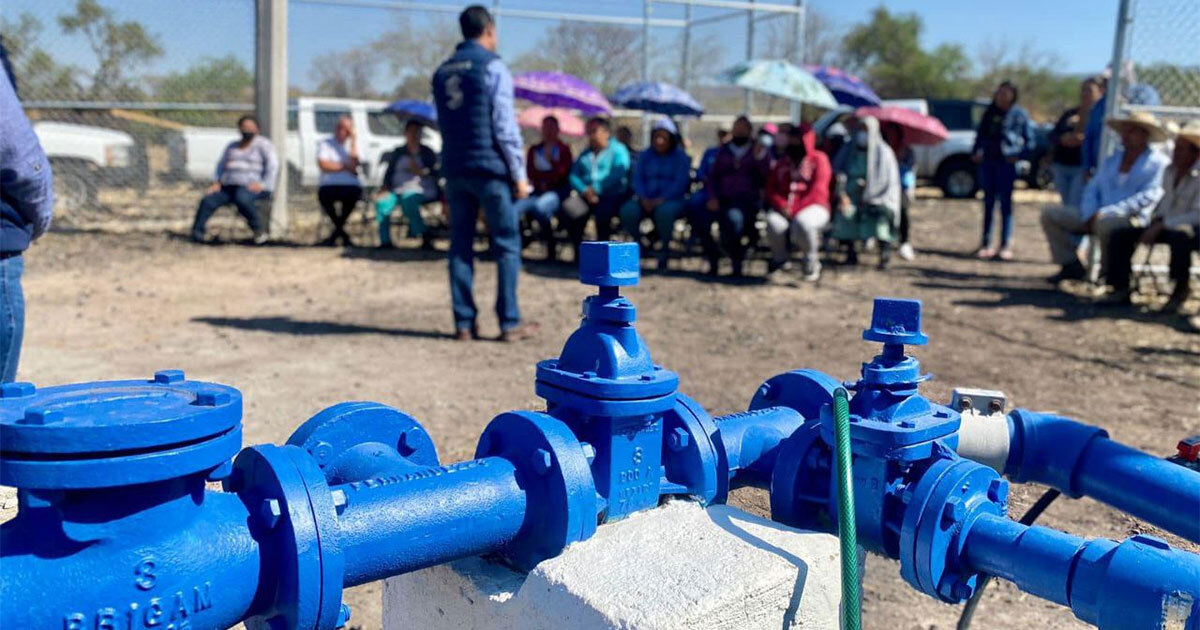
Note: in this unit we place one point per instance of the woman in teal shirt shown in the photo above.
(600, 184)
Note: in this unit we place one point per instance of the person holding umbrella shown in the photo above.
(409, 181)
(484, 166)
(661, 178)
(1004, 136)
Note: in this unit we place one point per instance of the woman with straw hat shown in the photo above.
(1121, 194)
(1175, 221)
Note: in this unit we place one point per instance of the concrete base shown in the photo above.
(679, 566)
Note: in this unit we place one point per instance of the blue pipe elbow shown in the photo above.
(1080, 460)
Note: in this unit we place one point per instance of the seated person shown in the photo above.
(1122, 193)
(246, 172)
(548, 164)
(661, 180)
(337, 158)
(699, 198)
(868, 189)
(798, 201)
(1175, 221)
(734, 184)
(599, 179)
(411, 179)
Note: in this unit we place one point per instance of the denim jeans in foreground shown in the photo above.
(466, 195)
(12, 315)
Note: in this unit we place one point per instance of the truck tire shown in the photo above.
(958, 177)
(74, 191)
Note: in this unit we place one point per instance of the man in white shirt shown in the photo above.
(339, 189)
(1175, 221)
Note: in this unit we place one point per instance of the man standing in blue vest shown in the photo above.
(484, 167)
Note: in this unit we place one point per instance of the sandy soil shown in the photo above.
(299, 328)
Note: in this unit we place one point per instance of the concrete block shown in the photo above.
(678, 566)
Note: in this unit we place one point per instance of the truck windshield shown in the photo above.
(384, 124)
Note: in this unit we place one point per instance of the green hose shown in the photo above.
(847, 535)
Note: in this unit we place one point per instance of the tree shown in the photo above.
(119, 46)
(211, 80)
(38, 75)
(346, 74)
(886, 51)
(604, 55)
(1043, 91)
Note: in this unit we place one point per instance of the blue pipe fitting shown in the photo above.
(1139, 583)
(1080, 460)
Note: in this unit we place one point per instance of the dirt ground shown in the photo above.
(299, 328)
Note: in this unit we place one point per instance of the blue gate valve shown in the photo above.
(944, 516)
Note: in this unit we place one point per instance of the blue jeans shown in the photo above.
(664, 218)
(12, 315)
(540, 208)
(735, 221)
(1068, 181)
(465, 196)
(997, 177)
(240, 197)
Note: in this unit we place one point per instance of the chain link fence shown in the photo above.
(134, 100)
(1159, 59)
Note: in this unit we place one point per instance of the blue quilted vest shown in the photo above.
(464, 107)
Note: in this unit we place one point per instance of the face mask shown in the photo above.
(796, 151)
(766, 141)
(861, 138)
(740, 141)
(247, 136)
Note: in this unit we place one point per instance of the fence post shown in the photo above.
(798, 39)
(270, 99)
(1113, 91)
(749, 96)
(646, 9)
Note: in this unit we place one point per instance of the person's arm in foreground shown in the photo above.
(504, 124)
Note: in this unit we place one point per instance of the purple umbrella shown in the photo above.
(557, 89)
(847, 89)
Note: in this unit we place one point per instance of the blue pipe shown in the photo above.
(1108, 584)
(421, 517)
(1080, 460)
(751, 442)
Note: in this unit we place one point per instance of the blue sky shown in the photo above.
(1079, 32)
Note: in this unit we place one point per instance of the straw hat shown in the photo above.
(1190, 133)
(1145, 121)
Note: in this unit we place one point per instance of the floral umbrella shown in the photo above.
(782, 79)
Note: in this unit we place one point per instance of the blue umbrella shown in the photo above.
(407, 108)
(657, 97)
(847, 89)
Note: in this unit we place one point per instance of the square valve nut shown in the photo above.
(607, 264)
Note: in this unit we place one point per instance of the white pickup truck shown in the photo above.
(193, 152)
(948, 164)
(84, 158)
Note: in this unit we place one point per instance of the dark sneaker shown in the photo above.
(466, 334)
(521, 332)
(1178, 297)
(1070, 271)
(1116, 299)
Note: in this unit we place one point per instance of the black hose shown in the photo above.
(1031, 515)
